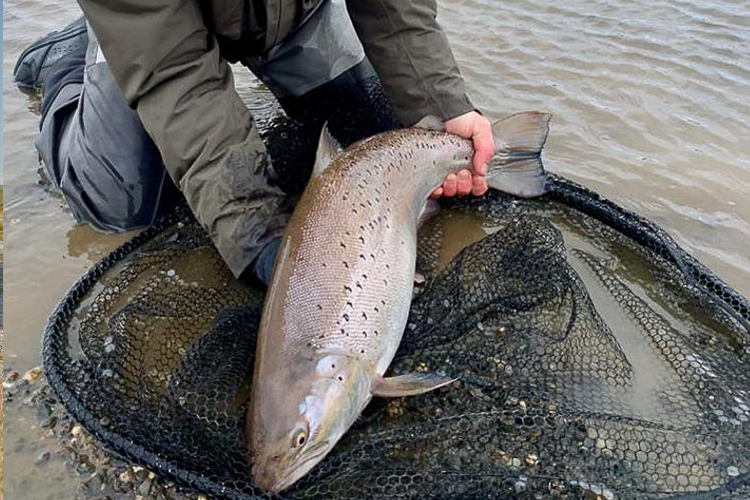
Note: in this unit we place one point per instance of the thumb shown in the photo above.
(484, 147)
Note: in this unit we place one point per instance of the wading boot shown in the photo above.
(37, 60)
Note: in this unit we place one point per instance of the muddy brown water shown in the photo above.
(651, 104)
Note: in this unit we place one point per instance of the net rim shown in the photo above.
(560, 189)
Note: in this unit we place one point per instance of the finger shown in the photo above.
(479, 185)
(450, 185)
(436, 193)
(484, 147)
(464, 182)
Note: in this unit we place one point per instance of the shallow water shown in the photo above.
(650, 104)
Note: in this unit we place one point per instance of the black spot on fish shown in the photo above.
(320, 308)
(342, 244)
(364, 315)
(362, 239)
(359, 285)
(346, 264)
(376, 309)
(364, 334)
(348, 288)
(362, 256)
(364, 276)
(350, 305)
(324, 264)
(346, 317)
(362, 351)
(385, 282)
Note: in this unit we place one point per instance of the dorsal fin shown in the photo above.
(431, 122)
(328, 149)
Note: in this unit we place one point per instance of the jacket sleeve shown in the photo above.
(412, 57)
(169, 70)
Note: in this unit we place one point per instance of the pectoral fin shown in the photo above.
(408, 385)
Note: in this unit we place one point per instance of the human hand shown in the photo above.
(476, 127)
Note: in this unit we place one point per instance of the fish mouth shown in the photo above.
(301, 469)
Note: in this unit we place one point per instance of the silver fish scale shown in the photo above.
(352, 282)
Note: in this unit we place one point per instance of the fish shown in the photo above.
(339, 298)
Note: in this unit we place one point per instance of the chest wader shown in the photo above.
(110, 172)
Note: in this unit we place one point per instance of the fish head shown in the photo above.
(299, 421)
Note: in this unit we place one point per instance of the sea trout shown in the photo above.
(339, 299)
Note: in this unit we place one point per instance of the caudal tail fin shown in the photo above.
(516, 167)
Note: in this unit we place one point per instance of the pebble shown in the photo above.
(85, 467)
(126, 477)
(33, 375)
(145, 487)
(42, 457)
(733, 471)
(48, 422)
(171, 273)
(532, 459)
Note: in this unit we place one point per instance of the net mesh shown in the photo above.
(594, 357)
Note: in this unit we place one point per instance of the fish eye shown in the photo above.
(299, 439)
